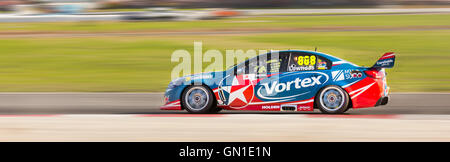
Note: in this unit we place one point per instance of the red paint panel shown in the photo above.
(174, 105)
(368, 97)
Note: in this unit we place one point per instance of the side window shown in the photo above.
(269, 63)
(323, 63)
(257, 65)
(284, 61)
(302, 62)
(277, 62)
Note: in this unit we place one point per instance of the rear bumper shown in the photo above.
(382, 101)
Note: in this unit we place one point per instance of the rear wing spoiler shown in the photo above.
(385, 61)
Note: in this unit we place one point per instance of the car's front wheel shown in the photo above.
(332, 100)
(198, 99)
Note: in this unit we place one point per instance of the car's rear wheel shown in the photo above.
(198, 99)
(332, 100)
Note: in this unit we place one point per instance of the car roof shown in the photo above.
(334, 59)
(331, 58)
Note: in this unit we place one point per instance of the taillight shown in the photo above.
(375, 74)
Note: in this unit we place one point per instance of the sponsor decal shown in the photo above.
(305, 60)
(302, 63)
(339, 75)
(297, 84)
(239, 93)
(304, 108)
(287, 87)
(199, 76)
(293, 67)
(270, 106)
(321, 64)
(385, 62)
(356, 74)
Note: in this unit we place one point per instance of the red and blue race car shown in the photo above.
(292, 80)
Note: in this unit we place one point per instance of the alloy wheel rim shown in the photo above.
(332, 99)
(197, 98)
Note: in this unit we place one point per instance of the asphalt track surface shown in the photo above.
(149, 103)
(136, 117)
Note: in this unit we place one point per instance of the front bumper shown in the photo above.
(382, 101)
(174, 105)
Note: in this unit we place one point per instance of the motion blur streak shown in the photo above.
(181, 115)
(233, 127)
(149, 103)
(382, 116)
(71, 47)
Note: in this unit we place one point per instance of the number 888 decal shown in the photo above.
(306, 60)
(302, 63)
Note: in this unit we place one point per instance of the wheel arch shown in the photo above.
(350, 102)
(192, 84)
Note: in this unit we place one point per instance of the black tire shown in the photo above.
(202, 102)
(215, 109)
(332, 100)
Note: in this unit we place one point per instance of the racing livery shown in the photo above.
(292, 80)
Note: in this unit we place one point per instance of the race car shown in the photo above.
(291, 80)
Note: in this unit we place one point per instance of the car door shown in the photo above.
(237, 91)
(272, 88)
(309, 72)
(299, 81)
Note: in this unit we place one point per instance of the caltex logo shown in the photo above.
(240, 93)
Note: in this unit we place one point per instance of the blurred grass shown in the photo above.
(372, 21)
(84, 64)
(142, 64)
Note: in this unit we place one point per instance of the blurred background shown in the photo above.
(125, 45)
(113, 57)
